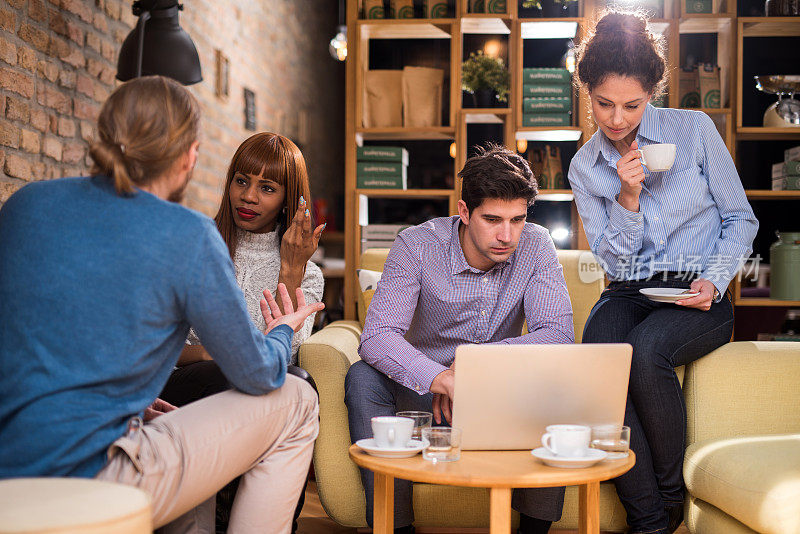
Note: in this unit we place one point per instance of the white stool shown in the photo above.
(72, 506)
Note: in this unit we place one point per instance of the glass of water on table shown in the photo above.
(443, 444)
(614, 439)
(421, 420)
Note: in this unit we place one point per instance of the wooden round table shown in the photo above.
(500, 471)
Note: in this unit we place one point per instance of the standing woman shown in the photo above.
(689, 227)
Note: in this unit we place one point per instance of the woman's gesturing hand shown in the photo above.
(631, 176)
(299, 242)
(274, 316)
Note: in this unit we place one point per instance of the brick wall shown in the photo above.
(58, 64)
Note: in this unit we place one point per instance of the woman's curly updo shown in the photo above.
(622, 44)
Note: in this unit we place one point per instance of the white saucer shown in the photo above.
(666, 294)
(368, 446)
(592, 457)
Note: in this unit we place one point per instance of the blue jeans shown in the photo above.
(369, 393)
(663, 336)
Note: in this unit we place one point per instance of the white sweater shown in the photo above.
(258, 263)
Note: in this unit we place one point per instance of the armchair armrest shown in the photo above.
(743, 388)
(327, 355)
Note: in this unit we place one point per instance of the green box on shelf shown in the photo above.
(434, 9)
(792, 183)
(546, 75)
(381, 182)
(792, 154)
(791, 168)
(382, 153)
(380, 168)
(698, 6)
(546, 119)
(401, 9)
(530, 90)
(547, 104)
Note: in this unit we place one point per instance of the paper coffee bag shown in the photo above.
(708, 76)
(434, 9)
(383, 98)
(555, 175)
(373, 9)
(401, 9)
(422, 97)
(689, 88)
(477, 6)
(536, 161)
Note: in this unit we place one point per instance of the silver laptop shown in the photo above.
(505, 395)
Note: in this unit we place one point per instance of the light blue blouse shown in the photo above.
(693, 218)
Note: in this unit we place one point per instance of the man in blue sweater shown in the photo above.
(100, 280)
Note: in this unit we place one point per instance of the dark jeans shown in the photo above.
(369, 393)
(663, 336)
(198, 380)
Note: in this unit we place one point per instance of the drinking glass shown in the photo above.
(421, 420)
(614, 439)
(443, 444)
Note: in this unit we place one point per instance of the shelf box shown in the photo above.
(400, 134)
(485, 24)
(714, 23)
(406, 28)
(769, 26)
(555, 195)
(549, 29)
(572, 133)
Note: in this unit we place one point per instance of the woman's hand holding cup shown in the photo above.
(631, 176)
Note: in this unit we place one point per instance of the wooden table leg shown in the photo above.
(589, 508)
(499, 510)
(383, 507)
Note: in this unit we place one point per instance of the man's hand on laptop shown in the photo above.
(273, 315)
(442, 389)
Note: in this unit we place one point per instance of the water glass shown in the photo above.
(614, 439)
(421, 420)
(443, 444)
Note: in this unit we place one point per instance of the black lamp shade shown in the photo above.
(168, 50)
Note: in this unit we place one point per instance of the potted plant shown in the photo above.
(486, 78)
(550, 8)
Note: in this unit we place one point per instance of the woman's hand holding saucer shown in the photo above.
(631, 176)
(702, 301)
(300, 242)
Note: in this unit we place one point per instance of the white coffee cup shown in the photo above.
(391, 432)
(567, 440)
(659, 157)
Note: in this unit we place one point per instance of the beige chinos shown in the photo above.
(184, 457)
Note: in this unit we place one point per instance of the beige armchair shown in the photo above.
(328, 354)
(742, 464)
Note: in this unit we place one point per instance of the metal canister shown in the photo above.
(785, 266)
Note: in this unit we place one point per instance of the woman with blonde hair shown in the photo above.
(685, 229)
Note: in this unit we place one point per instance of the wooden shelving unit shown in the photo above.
(729, 31)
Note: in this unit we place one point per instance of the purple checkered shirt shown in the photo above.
(429, 301)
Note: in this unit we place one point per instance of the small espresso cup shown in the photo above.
(567, 440)
(392, 432)
(658, 158)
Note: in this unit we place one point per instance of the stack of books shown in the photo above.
(786, 175)
(381, 167)
(546, 97)
(380, 235)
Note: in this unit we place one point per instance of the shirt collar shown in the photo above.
(649, 129)
(458, 262)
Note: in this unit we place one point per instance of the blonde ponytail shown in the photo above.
(143, 128)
